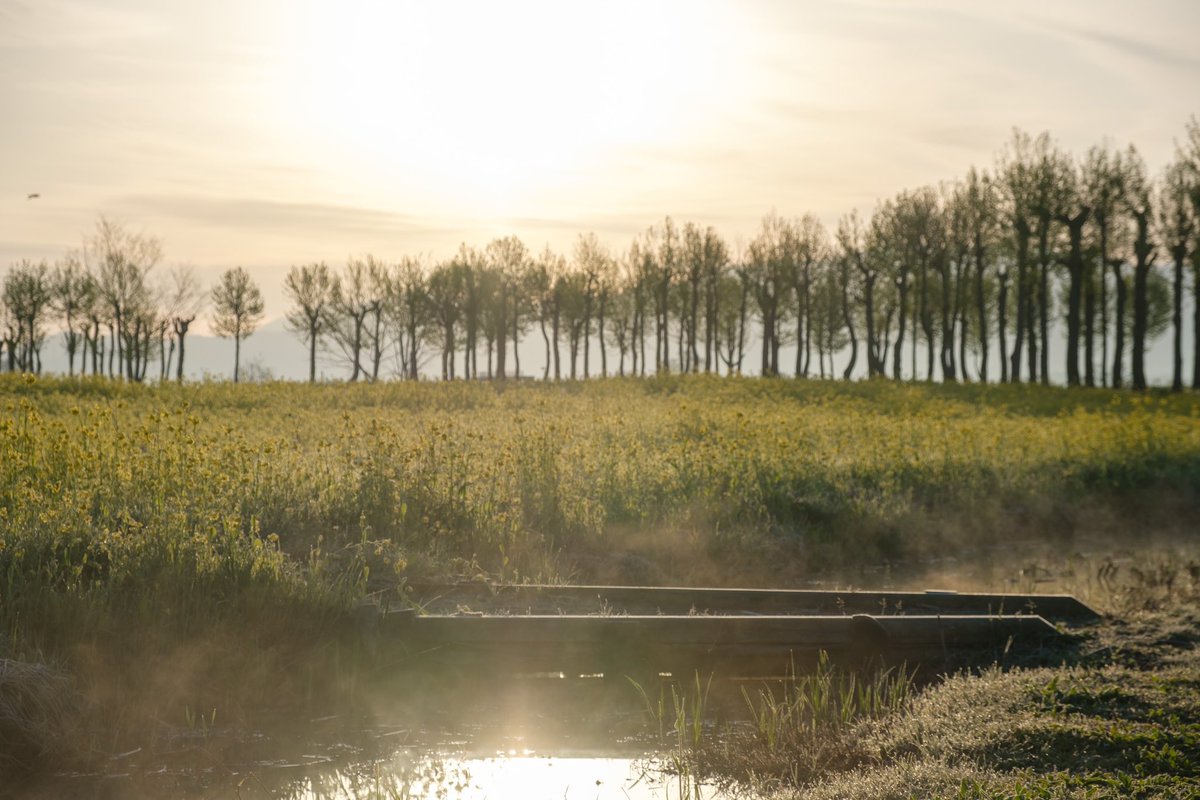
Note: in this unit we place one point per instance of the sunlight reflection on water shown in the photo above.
(517, 776)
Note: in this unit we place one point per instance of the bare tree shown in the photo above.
(851, 241)
(310, 288)
(237, 310)
(592, 262)
(72, 294)
(444, 292)
(122, 260)
(1191, 151)
(27, 294)
(1073, 212)
(407, 308)
(1017, 172)
(1177, 226)
(184, 301)
(1138, 206)
(1102, 176)
(355, 296)
(771, 259)
(810, 247)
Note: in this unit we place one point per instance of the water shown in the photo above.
(505, 775)
(526, 739)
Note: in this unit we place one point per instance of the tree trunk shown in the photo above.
(554, 331)
(1023, 233)
(1044, 302)
(1002, 327)
(1141, 312)
(600, 330)
(1118, 377)
(1196, 319)
(981, 308)
(1177, 318)
(516, 337)
(849, 318)
(1075, 269)
(1102, 274)
(502, 334)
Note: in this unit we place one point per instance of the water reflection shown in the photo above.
(540, 738)
(523, 775)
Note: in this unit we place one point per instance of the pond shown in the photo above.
(538, 737)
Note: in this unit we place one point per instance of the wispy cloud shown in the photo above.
(258, 214)
(62, 23)
(1137, 48)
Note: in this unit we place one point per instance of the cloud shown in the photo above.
(61, 23)
(1137, 48)
(258, 214)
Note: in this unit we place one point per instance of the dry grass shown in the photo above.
(37, 716)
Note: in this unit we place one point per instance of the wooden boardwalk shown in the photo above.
(727, 631)
(691, 600)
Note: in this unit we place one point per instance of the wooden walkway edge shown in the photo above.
(689, 600)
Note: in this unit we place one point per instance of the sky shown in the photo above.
(269, 133)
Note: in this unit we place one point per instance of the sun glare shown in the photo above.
(493, 103)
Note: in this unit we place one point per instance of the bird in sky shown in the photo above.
(32, 196)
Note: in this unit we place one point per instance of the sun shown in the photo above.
(493, 103)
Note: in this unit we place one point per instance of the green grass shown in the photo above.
(1113, 732)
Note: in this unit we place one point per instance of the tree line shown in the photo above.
(967, 280)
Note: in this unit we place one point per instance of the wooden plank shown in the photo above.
(682, 600)
(718, 629)
(680, 644)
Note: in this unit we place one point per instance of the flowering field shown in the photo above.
(197, 497)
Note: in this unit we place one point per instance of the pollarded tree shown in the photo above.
(356, 297)
(1177, 226)
(185, 301)
(620, 313)
(771, 260)
(549, 272)
(407, 309)
(851, 242)
(703, 259)
(1191, 151)
(72, 293)
(310, 289)
(955, 279)
(1138, 207)
(644, 269)
(826, 326)
(593, 262)
(237, 310)
(715, 254)
(571, 287)
(27, 295)
(479, 292)
(444, 294)
(1073, 212)
(1017, 171)
(1102, 178)
(661, 251)
(811, 247)
(733, 312)
(509, 259)
(1052, 181)
(912, 229)
(122, 261)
